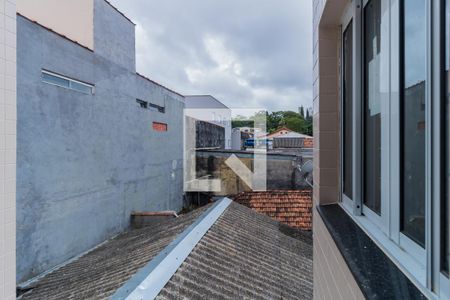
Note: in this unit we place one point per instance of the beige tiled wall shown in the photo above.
(326, 104)
(332, 278)
(7, 149)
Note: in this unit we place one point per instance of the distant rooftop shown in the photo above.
(203, 101)
(294, 135)
(293, 208)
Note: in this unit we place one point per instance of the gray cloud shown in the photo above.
(247, 53)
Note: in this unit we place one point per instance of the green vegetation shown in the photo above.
(297, 121)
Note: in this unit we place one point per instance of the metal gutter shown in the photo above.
(148, 282)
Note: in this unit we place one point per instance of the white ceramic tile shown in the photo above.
(10, 112)
(10, 156)
(10, 186)
(10, 39)
(10, 83)
(10, 68)
(10, 53)
(8, 116)
(10, 9)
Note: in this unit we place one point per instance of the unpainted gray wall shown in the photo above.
(86, 161)
(282, 170)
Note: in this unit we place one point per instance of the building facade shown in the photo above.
(381, 133)
(214, 112)
(95, 139)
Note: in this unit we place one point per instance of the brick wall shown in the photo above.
(7, 149)
(308, 143)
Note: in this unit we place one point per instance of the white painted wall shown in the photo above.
(8, 149)
(72, 18)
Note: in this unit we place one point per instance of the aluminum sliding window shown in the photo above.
(446, 144)
(401, 134)
(413, 70)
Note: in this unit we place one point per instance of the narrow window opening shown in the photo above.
(142, 103)
(157, 108)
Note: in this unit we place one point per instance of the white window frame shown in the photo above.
(438, 11)
(345, 21)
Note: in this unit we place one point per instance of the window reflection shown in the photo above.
(413, 120)
(347, 111)
(375, 98)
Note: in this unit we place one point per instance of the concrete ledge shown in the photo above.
(149, 218)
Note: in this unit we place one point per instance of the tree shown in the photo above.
(295, 124)
(301, 111)
(275, 120)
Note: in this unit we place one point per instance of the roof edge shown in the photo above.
(159, 84)
(207, 95)
(52, 31)
(148, 282)
(123, 15)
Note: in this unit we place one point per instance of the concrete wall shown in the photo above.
(215, 112)
(72, 18)
(332, 278)
(86, 161)
(7, 149)
(209, 135)
(114, 36)
(282, 172)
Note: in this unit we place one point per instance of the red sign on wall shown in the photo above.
(159, 126)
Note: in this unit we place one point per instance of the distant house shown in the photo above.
(220, 114)
(250, 130)
(291, 207)
(296, 140)
(280, 132)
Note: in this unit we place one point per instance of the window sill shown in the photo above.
(377, 276)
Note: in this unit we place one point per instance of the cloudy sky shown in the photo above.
(246, 53)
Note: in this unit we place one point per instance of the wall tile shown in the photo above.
(8, 116)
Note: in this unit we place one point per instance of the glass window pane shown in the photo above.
(375, 98)
(413, 106)
(347, 110)
(80, 87)
(55, 80)
(444, 210)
